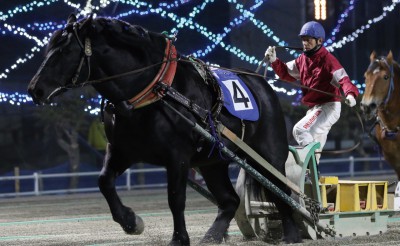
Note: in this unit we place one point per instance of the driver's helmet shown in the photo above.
(313, 29)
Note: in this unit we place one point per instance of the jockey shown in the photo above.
(315, 68)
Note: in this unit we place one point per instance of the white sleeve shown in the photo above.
(293, 70)
(337, 76)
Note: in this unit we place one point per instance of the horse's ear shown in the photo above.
(389, 57)
(372, 57)
(87, 22)
(71, 18)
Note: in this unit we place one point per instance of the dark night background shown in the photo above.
(21, 136)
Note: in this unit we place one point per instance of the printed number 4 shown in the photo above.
(239, 96)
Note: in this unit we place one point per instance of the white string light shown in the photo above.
(163, 10)
(354, 35)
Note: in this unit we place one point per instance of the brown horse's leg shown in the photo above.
(177, 179)
(129, 221)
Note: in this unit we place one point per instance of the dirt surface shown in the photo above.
(84, 219)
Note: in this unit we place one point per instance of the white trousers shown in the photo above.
(316, 124)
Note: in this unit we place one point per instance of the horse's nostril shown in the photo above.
(372, 106)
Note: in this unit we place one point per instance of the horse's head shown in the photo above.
(95, 48)
(60, 65)
(378, 80)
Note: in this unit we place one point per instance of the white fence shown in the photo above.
(39, 189)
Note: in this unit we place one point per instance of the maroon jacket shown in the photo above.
(320, 71)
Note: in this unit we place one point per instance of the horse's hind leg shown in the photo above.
(129, 221)
(219, 184)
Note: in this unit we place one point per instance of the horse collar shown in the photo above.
(165, 74)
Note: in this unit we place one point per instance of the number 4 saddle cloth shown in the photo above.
(238, 99)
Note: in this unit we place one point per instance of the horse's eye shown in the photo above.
(386, 77)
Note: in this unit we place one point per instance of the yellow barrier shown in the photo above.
(348, 196)
(379, 197)
(330, 193)
(355, 196)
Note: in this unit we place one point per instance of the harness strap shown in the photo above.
(204, 71)
(178, 97)
(258, 158)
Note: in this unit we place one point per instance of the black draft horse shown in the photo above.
(125, 63)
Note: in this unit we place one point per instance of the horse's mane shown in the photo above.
(119, 30)
(115, 25)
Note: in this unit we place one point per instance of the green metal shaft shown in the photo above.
(254, 173)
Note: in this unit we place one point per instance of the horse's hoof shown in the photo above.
(211, 240)
(177, 243)
(180, 239)
(292, 240)
(135, 230)
(139, 226)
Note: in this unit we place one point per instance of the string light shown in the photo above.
(163, 10)
(341, 20)
(354, 35)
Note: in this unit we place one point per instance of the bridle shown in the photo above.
(86, 50)
(391, 82)
(382, 107)
(87, 53)
(165, 74)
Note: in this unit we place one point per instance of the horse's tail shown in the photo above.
(257, 189)
(246, 182)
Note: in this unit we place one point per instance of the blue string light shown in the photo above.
(341, 20)
(163, 10)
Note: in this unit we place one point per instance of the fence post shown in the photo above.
(351, 167)
(17, 182)
(128, 179)
(36, 183)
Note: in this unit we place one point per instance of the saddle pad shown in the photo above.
(238, 99)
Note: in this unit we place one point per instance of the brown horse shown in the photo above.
(381, 100)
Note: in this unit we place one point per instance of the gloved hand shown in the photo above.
(350, 100)
(270, 53)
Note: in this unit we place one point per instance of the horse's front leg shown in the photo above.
(129, 221)
(177, 179)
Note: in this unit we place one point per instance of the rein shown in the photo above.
(168, 58)
(165, 76)
(275, 79)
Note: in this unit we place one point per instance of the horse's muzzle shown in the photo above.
(369, 110)
(36, 95)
